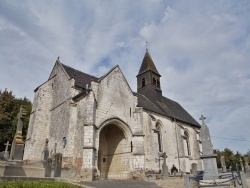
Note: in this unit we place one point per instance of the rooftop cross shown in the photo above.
(202, 118)
(147, 44)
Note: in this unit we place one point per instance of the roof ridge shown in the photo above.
(78, 71)
(99, 79)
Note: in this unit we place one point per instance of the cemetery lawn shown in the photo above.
(34, 184)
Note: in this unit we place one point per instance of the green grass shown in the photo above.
(34, 184)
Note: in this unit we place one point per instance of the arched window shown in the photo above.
(186, 144)
(158, 129)
(143, 82)
(154, 81)
(158, 83)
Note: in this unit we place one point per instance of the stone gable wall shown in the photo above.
(63, 116)
(114, 99)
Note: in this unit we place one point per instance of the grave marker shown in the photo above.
(6, 152)
(223, 164)
(193, 168)
(164, 165)
(58, 165)
(247, 167)
(208, 157)
(17, 146)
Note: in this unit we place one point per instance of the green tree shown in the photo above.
(247, 158)
(9, 108)
(231, 159)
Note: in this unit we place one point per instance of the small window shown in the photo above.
(154, 81)
(64, 142)
(143, 82)
(158, 83)
(158, 129)
(131, 146)
(186, 144)
(104, 160)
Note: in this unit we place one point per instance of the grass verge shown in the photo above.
(35, 184)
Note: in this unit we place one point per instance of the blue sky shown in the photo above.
(201, 49)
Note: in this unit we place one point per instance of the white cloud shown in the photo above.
(201, 49)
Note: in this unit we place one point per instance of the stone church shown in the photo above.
(101, 126)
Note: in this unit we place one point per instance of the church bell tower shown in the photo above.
(148, 79)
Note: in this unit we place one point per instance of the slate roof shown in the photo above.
(81, 78)
(166, 107)
(147, 64)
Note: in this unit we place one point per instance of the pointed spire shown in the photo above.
(148, 64)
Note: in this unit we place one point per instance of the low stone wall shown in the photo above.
(21, 171)
(27, 170)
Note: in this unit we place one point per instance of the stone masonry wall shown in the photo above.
(63, 115)
(171, 133)
(114, 99)
(39, 122)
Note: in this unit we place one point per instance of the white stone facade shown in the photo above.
(105, 130)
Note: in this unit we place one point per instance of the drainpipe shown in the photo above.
(176, 135)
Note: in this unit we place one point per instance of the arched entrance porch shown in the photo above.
(114, 152)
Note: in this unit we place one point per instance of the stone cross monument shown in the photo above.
(208, 157)
(164, 165)
(17, 146)
(223, 163)
(6, 152)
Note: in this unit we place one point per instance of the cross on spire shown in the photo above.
(202, 118)
(147, 44)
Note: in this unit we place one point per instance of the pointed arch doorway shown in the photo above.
(114, 153)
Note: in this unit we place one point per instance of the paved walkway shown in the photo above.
(166, 183)
(120, 184)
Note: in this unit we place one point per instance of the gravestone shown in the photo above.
(208, 157)
(6, 152)
(48, 166)
(241, 165)
(58, 165)
(2, 155)
(247, 167)
(223, 164)
(193, 168)
(46, 149)
(164, 166)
